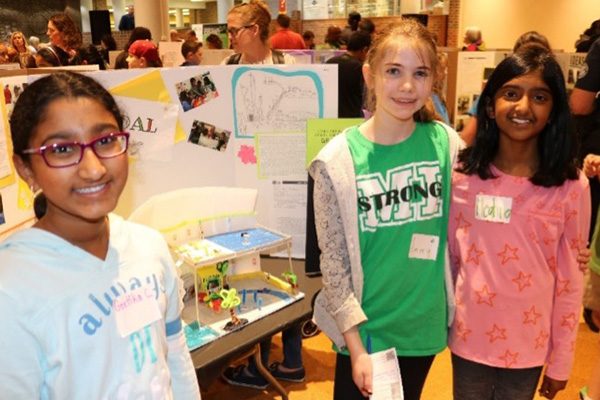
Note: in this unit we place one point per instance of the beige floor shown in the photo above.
(319, 363)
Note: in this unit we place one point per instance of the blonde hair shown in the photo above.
(12, 40)
(255, 12)
(395, 35)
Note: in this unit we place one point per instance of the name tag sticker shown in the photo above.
(424, 247)
(135, 310)
(493, 208)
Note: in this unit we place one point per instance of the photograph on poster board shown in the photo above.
(463, 102)
(11, 94)
(207, 135)
(216, 29)
(196, 91)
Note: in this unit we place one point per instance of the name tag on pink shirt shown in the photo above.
(135, 310)
(493, 208)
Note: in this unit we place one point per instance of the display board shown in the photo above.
(235, 126)
(468, 72)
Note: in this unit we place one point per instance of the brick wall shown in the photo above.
(208, 15)
(454, 36)
(120, 37)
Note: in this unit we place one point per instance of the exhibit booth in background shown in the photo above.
(469, 70)
(236, 126)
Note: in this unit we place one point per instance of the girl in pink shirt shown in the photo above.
(519, 214)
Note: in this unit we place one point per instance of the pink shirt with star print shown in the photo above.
(513, 248)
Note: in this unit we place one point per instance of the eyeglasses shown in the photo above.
(61, 155)
(235, 31)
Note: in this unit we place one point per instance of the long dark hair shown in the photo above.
(138, 33)
(32, 105)
(556, 144)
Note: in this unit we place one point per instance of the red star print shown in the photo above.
(571, 214)
(577, 243)
(539, 205)
(496, 333)
(574, 195)
(509, 253)
(519, 199)
(557, 206)
(484, 296)
(523, 280)
(532, 236)
(474, 254)
(549, 240)
(541, 340)
(531, 316)
(562, 286)
(570, 321)
(462, 223)
(461, 331)
(509, 358)
(551, 263)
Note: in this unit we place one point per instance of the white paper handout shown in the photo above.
(387, 383)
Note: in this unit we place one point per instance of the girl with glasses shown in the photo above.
(90, 303)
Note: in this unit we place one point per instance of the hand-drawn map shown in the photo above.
(272, 100)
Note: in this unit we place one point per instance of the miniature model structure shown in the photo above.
(217, 243)
(227, 275)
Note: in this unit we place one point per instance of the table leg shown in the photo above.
(267, 375)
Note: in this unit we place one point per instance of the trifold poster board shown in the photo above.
(467, 72)
(238, 126)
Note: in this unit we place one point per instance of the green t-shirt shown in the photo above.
(403, 190)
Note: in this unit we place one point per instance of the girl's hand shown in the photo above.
(591, 165)
(583, 258)
(362, 373)
(362, 367)
(550, 387)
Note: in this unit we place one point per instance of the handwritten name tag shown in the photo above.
(134, 310)
(493, 208)
(424, 247)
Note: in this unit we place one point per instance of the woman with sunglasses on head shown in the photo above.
(90, 303)
(248, 31)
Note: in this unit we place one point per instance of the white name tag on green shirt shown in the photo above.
(134, 310)
(493, 208)
(424, 247)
